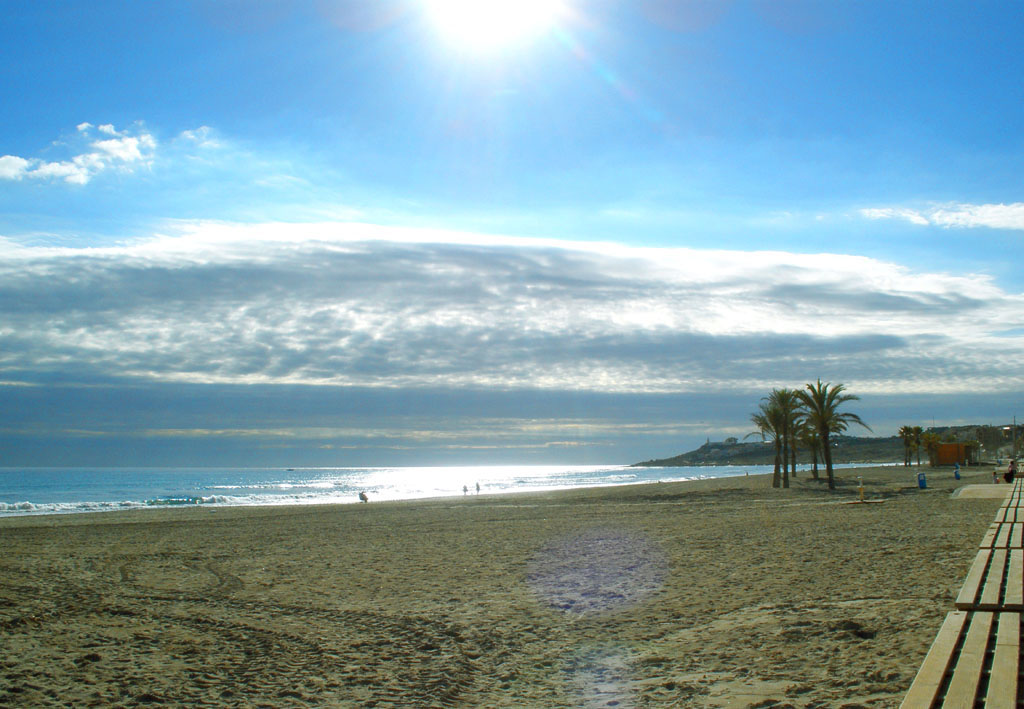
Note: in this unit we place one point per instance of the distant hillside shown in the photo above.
(845, 449)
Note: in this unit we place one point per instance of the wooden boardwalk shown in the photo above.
(975, 660)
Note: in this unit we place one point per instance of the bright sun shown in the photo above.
(483, 25)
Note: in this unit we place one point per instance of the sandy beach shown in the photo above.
(718, 593)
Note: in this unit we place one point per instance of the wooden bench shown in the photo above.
(1014, 498)
(1010, 511)
(995, 582)
(974, 661)
(1005, 535)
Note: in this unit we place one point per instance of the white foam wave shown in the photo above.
(26, 507)
(31, 508)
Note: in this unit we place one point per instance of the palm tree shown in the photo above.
(907, 436)
(785, 401)
(930, 441)
(821, 404)
(768, 420)
(917, 432)
(808, 436)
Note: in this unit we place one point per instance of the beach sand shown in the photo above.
(717, 593)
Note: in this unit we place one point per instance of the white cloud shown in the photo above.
(909, 215)
(201, 136)
(365, 305)
(993, 216)
(125, 151)
(12, 167)
(75, 172)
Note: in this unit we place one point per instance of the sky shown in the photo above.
(430, 232)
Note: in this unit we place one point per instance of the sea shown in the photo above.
(33, 491)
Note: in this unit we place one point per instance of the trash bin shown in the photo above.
(922, 482)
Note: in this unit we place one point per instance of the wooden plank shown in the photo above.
(990, 537)
(963, 687)
(1003, 536)
(1012, 497)
(1016, 535)
(1014, 598)
(992, 591)
(972, 584)
(1001, 514)
(1002, 682)
(925, 688)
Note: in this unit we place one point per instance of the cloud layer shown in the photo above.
(362, 306)
(993, 216)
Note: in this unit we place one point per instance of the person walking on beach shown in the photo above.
(363, 497)
(1011, 471)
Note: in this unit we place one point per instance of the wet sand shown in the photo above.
(718, 593)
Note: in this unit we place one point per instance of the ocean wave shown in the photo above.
(26, 507)
(609, 479)
(283, 485)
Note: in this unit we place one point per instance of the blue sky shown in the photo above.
(327, 232)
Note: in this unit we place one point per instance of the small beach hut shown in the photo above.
(962, 453)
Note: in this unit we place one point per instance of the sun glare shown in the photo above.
(485, 25)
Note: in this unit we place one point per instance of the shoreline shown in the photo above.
(203, 498)
(722, 592)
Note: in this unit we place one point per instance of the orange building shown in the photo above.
(963, 453)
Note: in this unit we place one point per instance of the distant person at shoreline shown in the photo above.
(1011, 471)
(363, 497)
(465, 489)
(478, 488)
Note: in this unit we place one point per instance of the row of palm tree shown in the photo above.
(808, 417)
(911, 437)
(914, 439)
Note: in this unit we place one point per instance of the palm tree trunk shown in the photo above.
(814, 460)
(785, 455)
(778, 460)
(826, 449)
